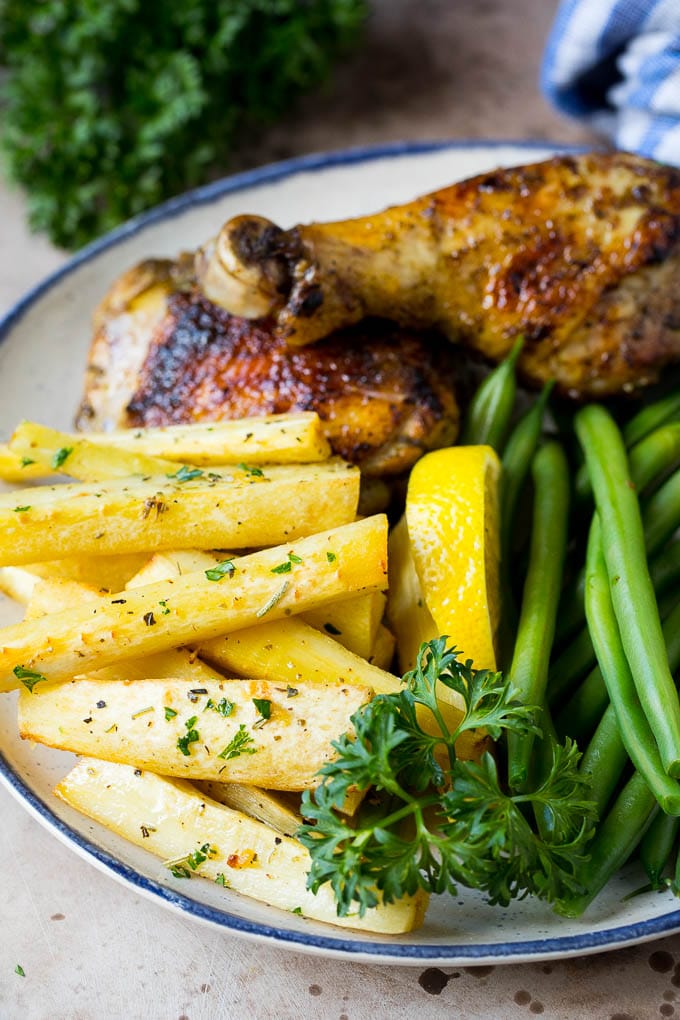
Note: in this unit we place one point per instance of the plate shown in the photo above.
(43, 343)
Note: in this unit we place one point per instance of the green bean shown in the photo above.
(604, 760)
(662, 513)
(650, 417)
(570, 666)
(529, 669)
(516, 460)
(649, 458)
(636, 733)
(615, 840)
(664, 571)
(580, 715)
(633, 596)
(490, 410)
(657, 846)
(516, 463)
(605, 756)
(571, 614)
(655, 454)
(675, 884)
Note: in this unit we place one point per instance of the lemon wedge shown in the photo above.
(445, 554)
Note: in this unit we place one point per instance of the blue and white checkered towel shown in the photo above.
(616, 63)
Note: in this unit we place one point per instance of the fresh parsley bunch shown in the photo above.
(111, 106)
(436, 822)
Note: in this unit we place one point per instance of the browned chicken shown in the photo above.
(580, 254)
(162, 353)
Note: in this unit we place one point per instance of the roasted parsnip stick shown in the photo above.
(242, 731)
(172, 819)
(294, 438)
(272, 583)
(275, 809)
(64, 453)
(235, 511)
(353, 623)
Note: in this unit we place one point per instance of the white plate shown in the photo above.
(43, 342)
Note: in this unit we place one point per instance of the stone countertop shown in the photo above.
(92, 949)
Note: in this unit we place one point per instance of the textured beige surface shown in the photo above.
(91, 949)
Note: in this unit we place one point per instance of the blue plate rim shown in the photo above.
(388, 952)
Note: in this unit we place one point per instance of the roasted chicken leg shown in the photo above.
(580, 254)
(162, 354)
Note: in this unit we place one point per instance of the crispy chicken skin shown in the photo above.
(580, 254)
(164, 354)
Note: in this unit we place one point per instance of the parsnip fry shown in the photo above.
(292, 650)
(110, 572)
(63, 453)
(237, 510)
(193, 608)
(171, 819)
(56, 594)
(294, 438)
(18, 583)
(16, 470)
(53, 594)
(353, 623)
(383, 649)
(242, 731)
(275, 809)
(174, 563)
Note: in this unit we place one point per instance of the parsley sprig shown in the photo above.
(436, 822)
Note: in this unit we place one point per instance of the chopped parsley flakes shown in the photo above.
(238, 745)
(264, 707)
(223, 707)
(224, 569)
(182, 867)
(186, 474)
(61, 456)
(254, 472)
(28, 677)
(191, 737)
(285, 568)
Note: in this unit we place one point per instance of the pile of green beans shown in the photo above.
(589, 644)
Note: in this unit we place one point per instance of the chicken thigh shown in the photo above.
(164, 354)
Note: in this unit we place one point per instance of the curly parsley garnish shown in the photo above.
(435, 826)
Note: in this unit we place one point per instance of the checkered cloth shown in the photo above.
(616, 63)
